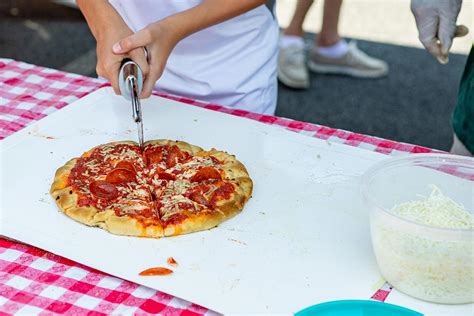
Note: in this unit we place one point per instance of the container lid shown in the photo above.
(356, 308)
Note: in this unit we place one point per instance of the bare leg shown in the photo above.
(329, 34)
(296, 25)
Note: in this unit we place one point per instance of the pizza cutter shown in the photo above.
(130, 84)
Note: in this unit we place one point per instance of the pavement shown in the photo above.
(413, 104)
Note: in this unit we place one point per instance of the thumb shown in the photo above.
(447, 41)
(461, 30)
(139, 39)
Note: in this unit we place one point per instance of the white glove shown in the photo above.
(436, 22)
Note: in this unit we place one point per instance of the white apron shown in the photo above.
(232, 63)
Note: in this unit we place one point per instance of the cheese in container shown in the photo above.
(422, 225)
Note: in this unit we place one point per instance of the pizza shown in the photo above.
(167, 188)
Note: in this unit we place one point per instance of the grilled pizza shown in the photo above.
(168, 188)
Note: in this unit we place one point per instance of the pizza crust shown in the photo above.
(66, 199)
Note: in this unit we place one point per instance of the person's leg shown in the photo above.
(333, 55)
(328, 41)
(292, 70)
(329, 34)
(295, 28)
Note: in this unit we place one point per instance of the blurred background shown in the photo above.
(412, 104)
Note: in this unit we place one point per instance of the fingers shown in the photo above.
(153, 66)
(110, 71)
(428, 31)
(157, 65)
(138, 56)
(155, 74)
(113, 78)
(446, 41)
(133, 46)
(446, 31)
(140, 39)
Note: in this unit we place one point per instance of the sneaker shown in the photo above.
(354, 63)
(292, 70)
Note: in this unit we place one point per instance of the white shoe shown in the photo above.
(354, 63)
(292, 70)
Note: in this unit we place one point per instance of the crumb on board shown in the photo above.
(238, 241)
(195, 120)
(234, 283)
(172, 262)
(263, 213)
(318, 156)
(42, 200)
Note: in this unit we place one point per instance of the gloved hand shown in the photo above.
(436, 22)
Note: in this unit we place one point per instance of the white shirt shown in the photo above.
(232, 63)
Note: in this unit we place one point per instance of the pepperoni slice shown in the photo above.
(222, 192)
(206, 173)
(125, 165)
(154, 155)
(120, 175)
(199, 198)
(103, 190)
(156, 271)
(166, 176)
(175, 155)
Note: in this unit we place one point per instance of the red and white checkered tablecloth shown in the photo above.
(33, 281)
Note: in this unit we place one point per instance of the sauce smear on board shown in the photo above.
(156, 271)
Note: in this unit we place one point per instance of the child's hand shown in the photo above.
(108, 63)
(159, 42)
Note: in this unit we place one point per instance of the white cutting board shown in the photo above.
(302, 239)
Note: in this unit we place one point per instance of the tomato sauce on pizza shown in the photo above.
(168, 188)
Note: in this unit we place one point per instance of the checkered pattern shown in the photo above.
(33, 281)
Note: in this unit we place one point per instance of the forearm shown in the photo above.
(206, 14)
(99, 15)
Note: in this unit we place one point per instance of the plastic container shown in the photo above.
(430, 263)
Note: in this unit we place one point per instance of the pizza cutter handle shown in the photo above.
(131, 83)
(130, 69)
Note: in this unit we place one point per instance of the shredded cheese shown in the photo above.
(437, 210)
(433, 266)
(169, 192)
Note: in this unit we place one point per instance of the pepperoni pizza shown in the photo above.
(168, 188)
